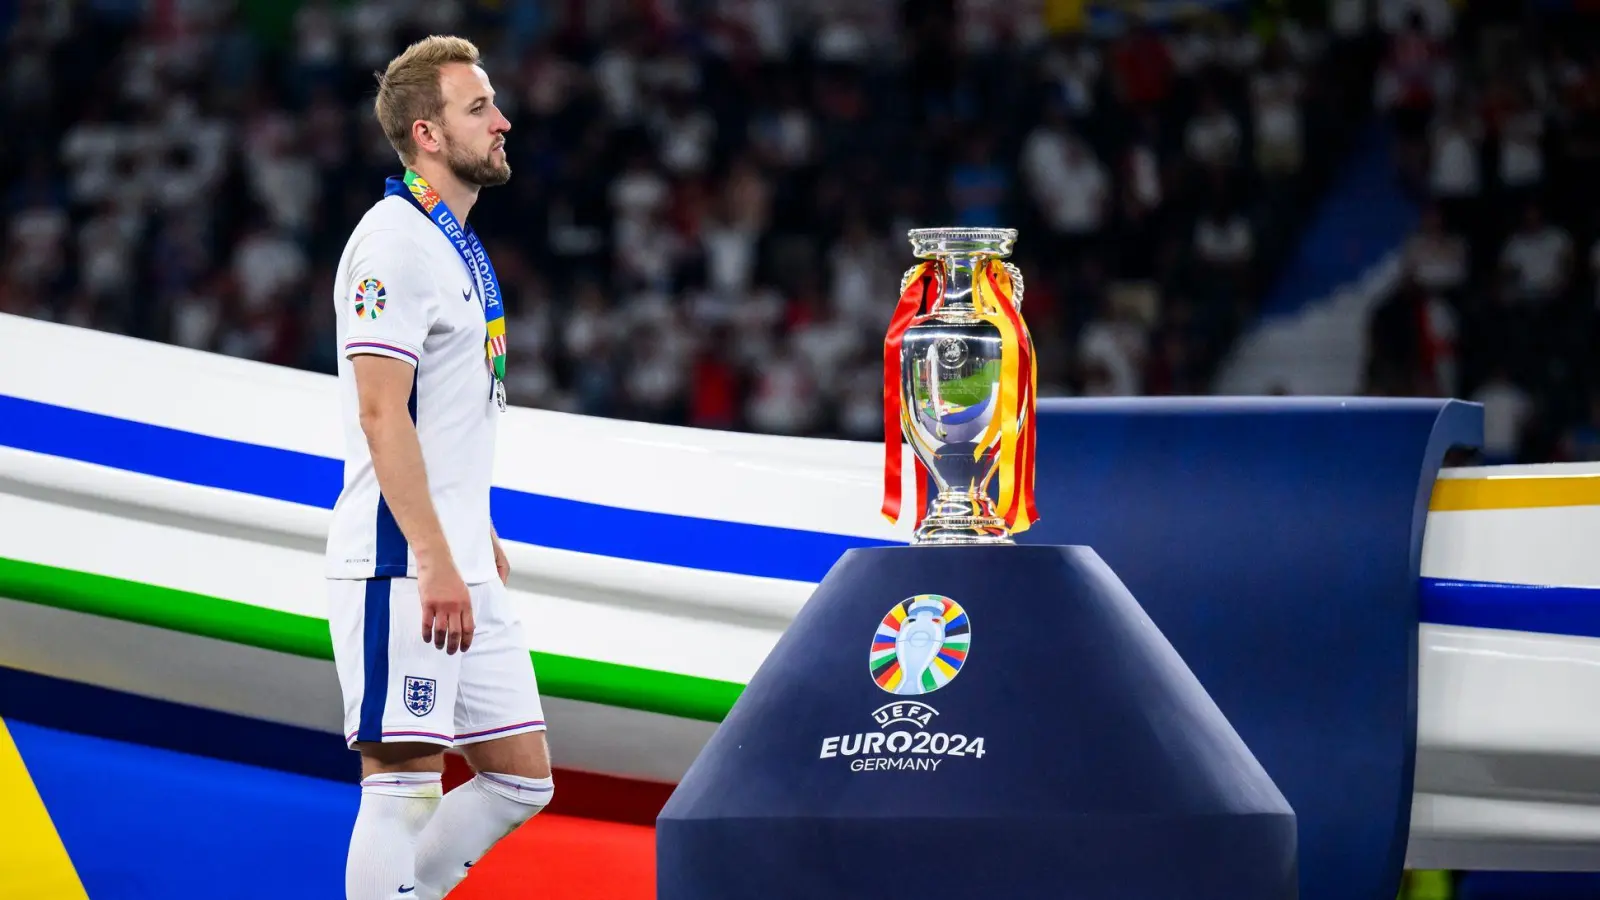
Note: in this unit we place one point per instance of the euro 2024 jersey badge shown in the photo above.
(371, 298)
(920, 646)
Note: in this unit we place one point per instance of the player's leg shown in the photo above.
(500, 729)
(399, 697)
(525, 755)
(400, 791)
(512, 785)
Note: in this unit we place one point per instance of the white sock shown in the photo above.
(470, 820)
(394, 808)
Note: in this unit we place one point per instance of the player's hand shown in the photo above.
(501, 564)
(446, 609)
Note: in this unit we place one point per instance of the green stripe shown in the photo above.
(611, 684)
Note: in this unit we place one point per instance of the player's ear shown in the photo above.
(426, 135)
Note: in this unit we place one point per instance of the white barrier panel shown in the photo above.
(1508, 748)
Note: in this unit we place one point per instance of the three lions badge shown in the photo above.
(419, 695)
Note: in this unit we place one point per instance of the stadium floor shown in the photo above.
(93, 818)
(110, 820)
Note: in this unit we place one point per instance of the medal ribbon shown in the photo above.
(923, 286)
(416, 189)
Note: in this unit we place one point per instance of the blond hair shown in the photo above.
(409, 88)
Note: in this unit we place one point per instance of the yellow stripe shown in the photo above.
(1515, 492)
(33, 863)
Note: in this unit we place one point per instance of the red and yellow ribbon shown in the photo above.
(994, 296)
(923, 290)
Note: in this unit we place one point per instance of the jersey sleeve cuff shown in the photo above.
(375, 347)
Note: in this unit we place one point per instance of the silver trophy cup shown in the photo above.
(950, 387)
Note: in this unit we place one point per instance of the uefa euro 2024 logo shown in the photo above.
(919, 647)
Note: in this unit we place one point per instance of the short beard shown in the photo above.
(479, 172)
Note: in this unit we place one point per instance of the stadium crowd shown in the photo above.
(1497, 119)
(706, 222)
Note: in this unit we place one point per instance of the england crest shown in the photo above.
(419, 695)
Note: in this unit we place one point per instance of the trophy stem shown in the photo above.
(959, 271)
(962, 253)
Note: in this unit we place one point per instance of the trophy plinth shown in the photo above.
(987, 722)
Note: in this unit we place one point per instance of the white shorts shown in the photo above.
(399, 688)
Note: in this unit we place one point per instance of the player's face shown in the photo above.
(474, 129)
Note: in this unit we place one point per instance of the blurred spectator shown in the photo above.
(1506, 410)
(1455, 171)
(1436, 259)
(1413, 81)
(1213, 137)
(1224, 247)
(1275, 95)
(1114, 348)
(1536, 261)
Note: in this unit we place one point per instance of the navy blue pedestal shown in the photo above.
(977, 722)
(1277, 542)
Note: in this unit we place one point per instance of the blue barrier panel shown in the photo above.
(1276, 542)
(974, 722)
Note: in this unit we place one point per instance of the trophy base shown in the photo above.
(969, 530)
(961, 519)
(1064, 750)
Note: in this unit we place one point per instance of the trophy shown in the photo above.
(959, 384)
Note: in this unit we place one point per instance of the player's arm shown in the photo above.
(392, 308)
(383, 386)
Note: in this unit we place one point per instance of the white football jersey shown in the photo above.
(402, 291)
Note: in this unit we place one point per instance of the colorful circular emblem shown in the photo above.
(370, 298)
(920, 645)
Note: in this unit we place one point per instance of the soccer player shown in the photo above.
(429, 651)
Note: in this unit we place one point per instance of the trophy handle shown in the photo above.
(1016, 282)
(906, 279)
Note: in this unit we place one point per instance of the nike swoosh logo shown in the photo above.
(466, 865)
(407, 890)
(467, 295)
